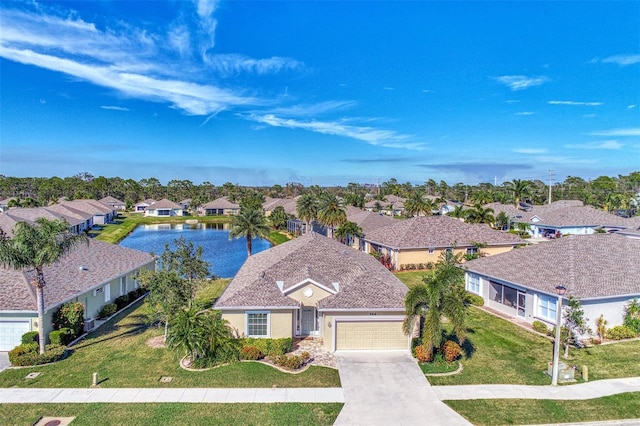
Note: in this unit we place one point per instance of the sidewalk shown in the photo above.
(595, 389)
(204, 395)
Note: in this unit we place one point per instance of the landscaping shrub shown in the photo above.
(474, 299)
(632, 315)
(424, 353)
(25, 355)
(30, 337)
(620, 332)
(291, 362)
(270, 347)
(108, 310)
(306, 356)
(61, 337)
(70, 315)
(122, 301)
(450, 350)
(540, 327)
(250, 353)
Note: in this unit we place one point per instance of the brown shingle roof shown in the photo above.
(164, 204)
(363, 283)
(221, 203)
(368, 221)
(438, 231)
(590, 266)
(65, 280)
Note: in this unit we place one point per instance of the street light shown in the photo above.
(556, 345)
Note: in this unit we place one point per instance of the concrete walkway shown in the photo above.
(4, 361)
(388, 388)
(204, 395)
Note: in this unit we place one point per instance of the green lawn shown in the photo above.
(411, 278)
(174, 414)
(528, 411)
(120, 356)
(278, 237)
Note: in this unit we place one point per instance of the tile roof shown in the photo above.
(221, 203)
(363, 283)
(103, 262)
(438, 231)
(590, 266)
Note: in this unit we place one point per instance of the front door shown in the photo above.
(308, 320)
(521, 303)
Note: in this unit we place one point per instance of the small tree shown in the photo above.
(632, 315)
(168, 294)
(601, 325)
(278, 218)
(187, 262)
(575, 322)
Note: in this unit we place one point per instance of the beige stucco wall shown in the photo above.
(415, 256)
(318, 294)
(280, 322)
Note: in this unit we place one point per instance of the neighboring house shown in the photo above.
(142, 205)
(186, 203)
(14, 215)
(4, 204)
(80, 221)
(93, 274)
(392, 205)
(113, 202)
(601, 270)
(102, 213)
(315, 286)
(219, 207)
(422, 240)
(289, 205)
(164, 208)
(368, 222)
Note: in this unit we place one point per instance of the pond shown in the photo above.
(225, 256)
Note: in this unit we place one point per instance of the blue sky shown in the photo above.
(329, 92)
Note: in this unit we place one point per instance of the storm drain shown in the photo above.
(54, 421)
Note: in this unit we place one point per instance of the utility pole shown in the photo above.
(550, 182)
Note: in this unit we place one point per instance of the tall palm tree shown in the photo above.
(440, 295)
(458, 212)
(417, 204)
(330, 212)
(307, 208)
(249, 223)
(35, 246)
(348, 229)
(519, 188)
(479, 214)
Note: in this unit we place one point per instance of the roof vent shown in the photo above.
(83, 268)
(280, 285)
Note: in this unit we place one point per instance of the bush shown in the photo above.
(450, 350)
(108, 310)
(424, 353)
(540, 327)
(620, 332)
(250, 353)
(25, 355)
(291, 362)
(122, 301)
(474, 299)
(632, 315)
(61, 337)
(70, 315)
(30, 337)
(270, 347)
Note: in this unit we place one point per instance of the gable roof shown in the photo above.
(221, 203)
(590, 266)
(369, 221)
(438, 231)
(94, 207)
(65, 280)
(289, 204)
(164, 204)
(362, 282)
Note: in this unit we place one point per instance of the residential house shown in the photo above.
(14, 215)
(313, 286)
(422, 239)
(219, 207)
(113, 202)
(601, 270)
(392, 205)
(142, 205)
(4, 204)
(93, 274)
(164, 208)
(289, 205)
(79, 220)
(367, 221)
(102, 213)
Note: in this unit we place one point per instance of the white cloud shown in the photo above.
(556, 159)
(525, 113)
(520, 82)
(610, 144)
(631, 106)
(622, 60)
(114, 108)
(575, 103)
(530, 150)
(370, 135)
(389, 88)
(312, 110)
(230, 64)
(617, 132)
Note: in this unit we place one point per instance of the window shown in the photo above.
(431, 250)
(107, 293)
(507, 296)
(258, 324)
(472, 250)
(547, 307)
(123, 285)
(474, 284)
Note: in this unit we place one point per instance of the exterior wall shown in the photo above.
(318, 294)
(236, 321)
(328, 320)
(422, 255)
(612, 310)
(280, 322)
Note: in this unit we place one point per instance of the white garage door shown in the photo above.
(11, 333)
(370, 335)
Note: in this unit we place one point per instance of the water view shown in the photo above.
(225, 256)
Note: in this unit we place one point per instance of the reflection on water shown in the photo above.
(225, 256)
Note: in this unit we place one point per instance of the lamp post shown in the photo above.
(556, 345)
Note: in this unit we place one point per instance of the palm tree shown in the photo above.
(479, 214)
(307, 209)
(441, 294)
(348, 229)
(519, 188)
(458, 212)
(417, 204)
(35, 246)
(502, 221)
(249, 223)
(330, 212)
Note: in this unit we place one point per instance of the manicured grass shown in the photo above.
(411, 278)
(438, 367)
(119, 354)
(207, 295)
(278, 237)
(527, 411)
(174, 414)
(498, 351)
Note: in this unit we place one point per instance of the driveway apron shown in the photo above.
(388, 388)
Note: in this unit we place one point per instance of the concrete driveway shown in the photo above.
(4, 360)
(388, 388)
